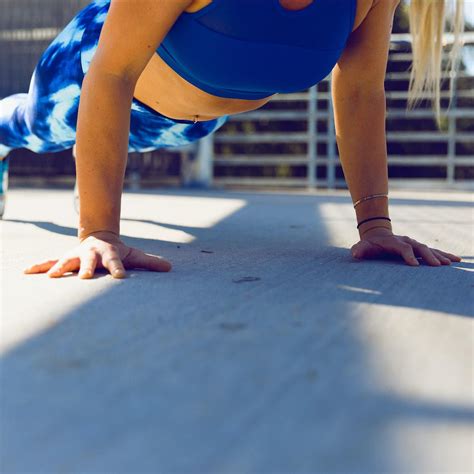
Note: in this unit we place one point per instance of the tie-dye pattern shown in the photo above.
(45, 119)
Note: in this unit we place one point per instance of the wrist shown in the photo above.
(377, 228)
(377, 206)
(372, 215)
(108, 234)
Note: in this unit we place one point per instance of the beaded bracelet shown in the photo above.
(373, 218)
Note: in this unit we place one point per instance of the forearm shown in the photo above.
(101, 150)
(361, 139)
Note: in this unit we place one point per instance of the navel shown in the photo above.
(295, 4)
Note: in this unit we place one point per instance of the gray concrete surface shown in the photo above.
(318, 363)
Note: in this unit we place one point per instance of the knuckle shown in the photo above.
(106, 261)
(90, 254)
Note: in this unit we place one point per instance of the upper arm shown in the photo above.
(132, 31)
(363, 64)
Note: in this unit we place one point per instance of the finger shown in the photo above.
(112, 262)
(452, 257)
(40, 267)
(406, 251)
(64, 265)
(138, 259)
(88, 265)
(424, 251)
(444, 260)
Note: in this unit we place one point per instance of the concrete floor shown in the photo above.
(267, 349)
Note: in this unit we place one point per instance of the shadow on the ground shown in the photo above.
(247, 357)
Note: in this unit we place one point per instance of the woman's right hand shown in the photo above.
(101, 249)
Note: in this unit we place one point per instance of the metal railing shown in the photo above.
(305, 157)
(451, 149)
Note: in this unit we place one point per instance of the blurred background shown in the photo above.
(290, 142)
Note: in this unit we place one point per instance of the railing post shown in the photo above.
(205, 158)
(450, 170)
(331, 143)
(312, 123)
(135, 176)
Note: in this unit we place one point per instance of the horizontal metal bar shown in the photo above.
(448, 38)
(274, 160)
(276, 137)
(393, 95)
(394, 183)
(261, 160)
(265, 181)
(428, 113)
(428, 136)
(266, 114)
(297, 137)
(29, 34)
(406, 56)
(398, 76)
(443, 94)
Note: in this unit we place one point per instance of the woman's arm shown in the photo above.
(359, 111)
(131, 34)
(359, 108)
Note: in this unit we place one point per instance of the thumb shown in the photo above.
(138, 259)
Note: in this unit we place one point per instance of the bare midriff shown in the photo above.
(165, 91)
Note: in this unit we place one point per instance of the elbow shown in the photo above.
(102, 74)
(354, 86)
(358, 91)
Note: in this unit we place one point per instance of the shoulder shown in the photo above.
(364, 7)
(389, 3)
(363, 63)
(146, 23)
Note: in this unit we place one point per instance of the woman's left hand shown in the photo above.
(382, 242)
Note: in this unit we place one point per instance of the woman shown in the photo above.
(182, 68)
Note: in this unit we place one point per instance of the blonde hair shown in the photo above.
(427, 23)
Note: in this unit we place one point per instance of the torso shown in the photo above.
(162, 89)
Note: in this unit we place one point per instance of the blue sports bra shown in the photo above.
(251, 49)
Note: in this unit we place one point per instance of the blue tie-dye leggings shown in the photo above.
(44, 119)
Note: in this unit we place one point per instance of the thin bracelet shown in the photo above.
(373, 218)
(370, 197)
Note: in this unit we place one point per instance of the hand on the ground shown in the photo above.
(380, 243)
(101, 250)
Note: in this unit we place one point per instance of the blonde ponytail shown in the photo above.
(427, 26)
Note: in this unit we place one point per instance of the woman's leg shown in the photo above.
(44, 119)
